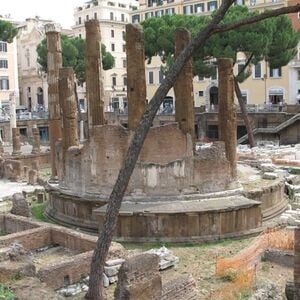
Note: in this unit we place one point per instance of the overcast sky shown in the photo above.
(60, 11)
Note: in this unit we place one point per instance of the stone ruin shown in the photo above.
(175, 193)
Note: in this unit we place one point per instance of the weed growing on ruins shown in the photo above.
(6, 293)
(37, 210)
(245, 294)
(2, 233)
(16, 277)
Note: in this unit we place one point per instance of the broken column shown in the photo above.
(136, 82)
(183, 88)
(227, 115)
(16, 141)
(12, 113)
(139, 278)
(69, 108)
(93, 71)
(36, 142)
(54, 62)
(297, 264)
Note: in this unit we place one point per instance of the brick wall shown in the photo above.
(31, 239)
(69, 270)
(12, 223)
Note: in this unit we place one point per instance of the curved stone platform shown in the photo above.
(181, 218)
(186, 221)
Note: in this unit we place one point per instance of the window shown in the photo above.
(240, 68)
(244, 96)
(115, 102)
(114, 80)
(125, 81)
(112, 33)
(298, 73)
(199, 8)
(275, 72)
(188, 10)
(159, 13)
(111, 16)
(80, 36)
(240, 2)
(112, 47)
(87, 17)
(252, 2)
(123, 35)
(212, 5)
(214, 75)
(201, 93)
(151, 79)
(170, 11)
(95, 16)
(27, 55)
(124, 48)
(148, 15)
(122, 17)
(3, 64)
(161, 76)
(124, 63)
(4, 83)
(79, 20)
(150, 3)
(257, 71)
(135, 19)
(3, 47)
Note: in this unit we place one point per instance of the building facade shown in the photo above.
(265, 86)
(113, 15)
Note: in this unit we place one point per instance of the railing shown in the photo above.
(254, 108)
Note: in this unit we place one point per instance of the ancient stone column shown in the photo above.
(12, 112)
(136, 82)
(54, 62)
(69, 108)
(227, 115)
(183, 88)
(93, 71)
(36, 142)
(16, 141)
(1, 147)
(297, 264)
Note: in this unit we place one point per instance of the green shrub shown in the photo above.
(6, 293)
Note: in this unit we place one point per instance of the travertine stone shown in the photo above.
(69, 107)
(227, 115)
(93, 71)
(16, 141)
(36, 145)
(54, 62)
(136, 82)
(183, 88)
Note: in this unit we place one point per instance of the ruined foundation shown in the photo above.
(175, 193)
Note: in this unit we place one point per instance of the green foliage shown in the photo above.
(6, 293)
(2, 232)
(273, 39)
(37, 210)
(7, 31)
(17, 276)
(73, 54)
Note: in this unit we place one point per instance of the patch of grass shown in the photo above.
(229, 275)
(6, 293)
(37, 210)
(245, 294)
(17, 276)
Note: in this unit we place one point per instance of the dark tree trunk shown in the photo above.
(105, 236)
(244, 113)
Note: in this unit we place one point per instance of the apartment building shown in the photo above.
(264, 86)
(113, 15)
(8, 72)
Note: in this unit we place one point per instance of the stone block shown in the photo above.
(20, 206)
(112, 270)
(114, 262)
(270, 175)
(267, 167)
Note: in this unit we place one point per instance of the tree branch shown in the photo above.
(260, 17)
